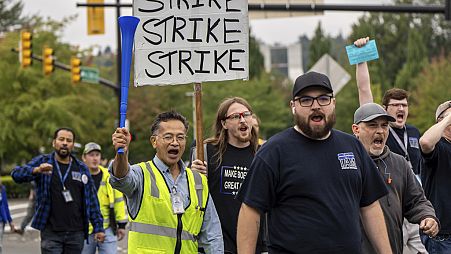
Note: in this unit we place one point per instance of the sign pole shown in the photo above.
(199, 131)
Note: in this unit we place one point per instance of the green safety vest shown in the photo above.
(155, 229)
(110, 200)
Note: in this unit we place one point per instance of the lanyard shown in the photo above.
(403, 147)
(63, 179)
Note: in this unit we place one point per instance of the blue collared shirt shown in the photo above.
(210, 236)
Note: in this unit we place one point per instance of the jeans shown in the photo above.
(30, 213)
(66, 242)
(109, 246)
(440, 244)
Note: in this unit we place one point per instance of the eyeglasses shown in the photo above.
(237, 116)
(307, 101)
(397, 105)
(169, 138)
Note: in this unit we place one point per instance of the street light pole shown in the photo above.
(118, 57)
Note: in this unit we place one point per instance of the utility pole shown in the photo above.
(118, 7)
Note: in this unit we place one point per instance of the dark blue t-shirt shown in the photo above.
(313, 191)
(413, 147)
(436, 178)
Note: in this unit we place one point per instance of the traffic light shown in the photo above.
(75, 69)
(25, 49)
(47, 60)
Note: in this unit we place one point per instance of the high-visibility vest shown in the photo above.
(110, 200)
(155, 229)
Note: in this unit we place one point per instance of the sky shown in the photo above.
(283, 31)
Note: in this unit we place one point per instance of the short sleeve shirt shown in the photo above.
(313, 191)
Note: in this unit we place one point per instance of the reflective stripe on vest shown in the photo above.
(198, 187)
(153, 186)
(160, 230)
(154, 229)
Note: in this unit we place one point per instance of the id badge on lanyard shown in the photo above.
(177, 202)
(65, 192)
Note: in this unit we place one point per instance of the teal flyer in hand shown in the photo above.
(364, 54)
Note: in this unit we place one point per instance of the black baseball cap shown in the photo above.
(311, 79)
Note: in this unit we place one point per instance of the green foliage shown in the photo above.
(427, 36)
(266, 95)
(256, 61)
(13, 189)
(433, 88)
(33, 106)
(416, 60)
(319, 45)
(10, 12)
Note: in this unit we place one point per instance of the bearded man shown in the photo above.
(65, 195)
(314, 182)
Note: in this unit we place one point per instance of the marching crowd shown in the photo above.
(308, 189)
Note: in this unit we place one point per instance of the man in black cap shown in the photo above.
(315, 183)
(436, 176)
(405, 196)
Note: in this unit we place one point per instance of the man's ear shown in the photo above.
(153, 141)
(53, 143)
(293, 109)
(355, 130)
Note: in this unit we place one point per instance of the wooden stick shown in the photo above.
(199, 129)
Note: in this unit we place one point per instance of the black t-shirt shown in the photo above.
(436, 178)
(313, 191)
(413, 147)
(97, 179)
(224, 182)
(66, 216)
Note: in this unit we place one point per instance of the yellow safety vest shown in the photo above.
(110, 198)
(155, 229)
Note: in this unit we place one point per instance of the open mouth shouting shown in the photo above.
(244, 129)
(400, 116)
(378, 142)
(317, 118)
(173, 153)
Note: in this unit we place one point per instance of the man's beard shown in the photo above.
(245, 139)
(61, 154)
(320, 131)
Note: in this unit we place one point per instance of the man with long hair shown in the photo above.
(229, 154)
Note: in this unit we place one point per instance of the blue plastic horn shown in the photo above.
(128, 26)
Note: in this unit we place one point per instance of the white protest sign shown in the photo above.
(190, 41)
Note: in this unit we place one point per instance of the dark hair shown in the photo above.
(396, 94)
(220, 137)
(167, 116)
(55, 135)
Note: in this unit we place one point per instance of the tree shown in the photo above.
(10, 14)
(432, 88)
(33, 106)
(389, 30)
(416, 60)
(319, 45)
(256, 60)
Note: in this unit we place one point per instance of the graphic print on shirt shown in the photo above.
(414, 142)
(231, 179)
(347, 160)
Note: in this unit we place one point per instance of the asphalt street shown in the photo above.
(29, 242)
